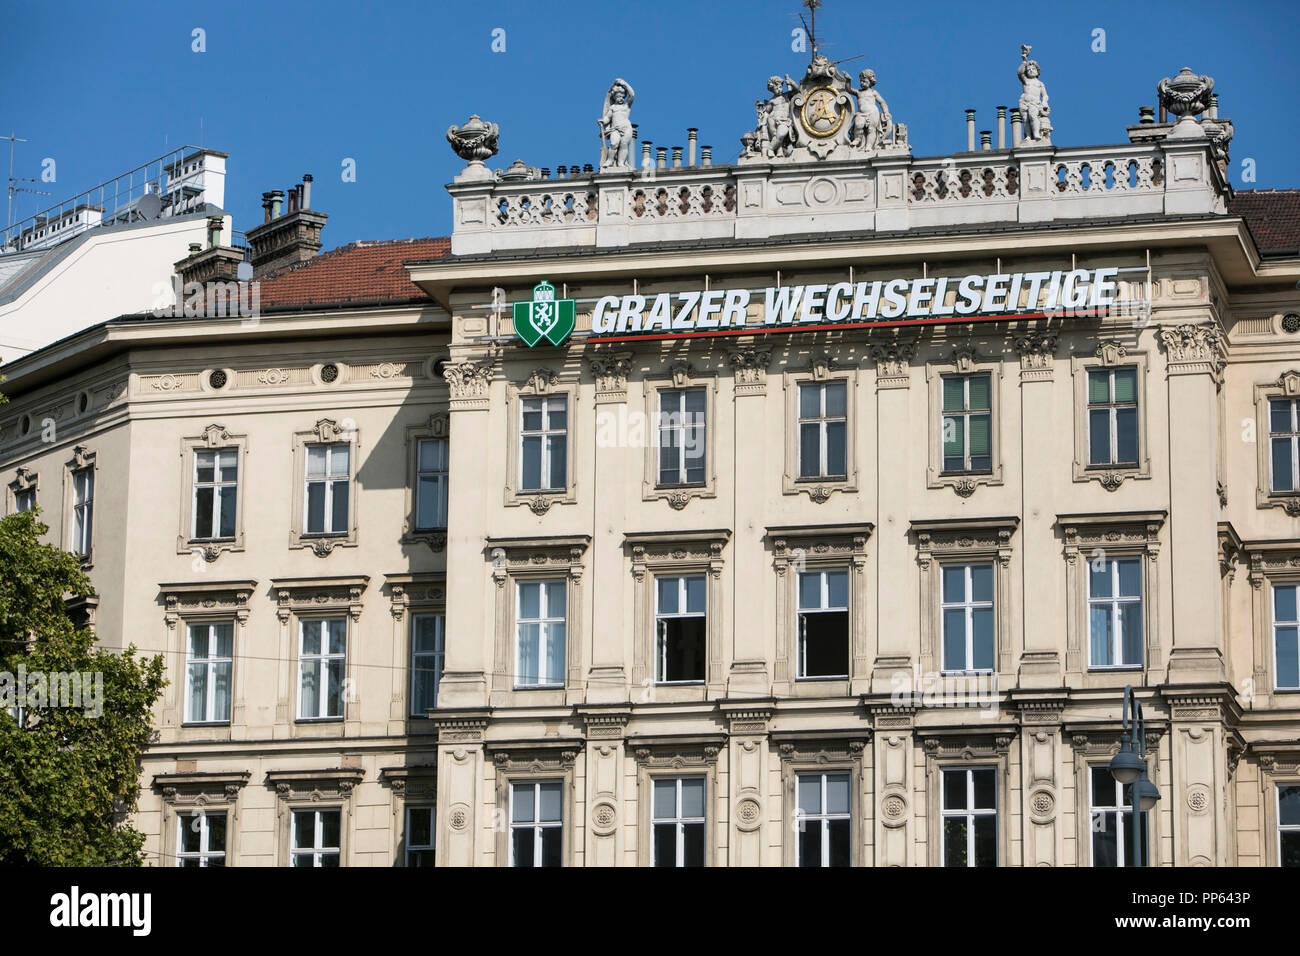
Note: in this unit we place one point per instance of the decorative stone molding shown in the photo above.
(325, 431)
(212, 438)
(965, 747)
(1109, 354)
(193, 789)
(468, 383)
(404, 590)
(206, 599)
(540, 383)
(961, 538)
(461, 727)
(605, 723)
(412, 784)
(893, 359)
(611, 370)
(966, 360)
(315, 785)
(885, 717)
(750, 369)
(1037, 351)
(1193, 347)
(340, 594)
(665, 753)
(1287, 386)
(679, 375)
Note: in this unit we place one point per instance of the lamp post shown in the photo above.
(1129, 767)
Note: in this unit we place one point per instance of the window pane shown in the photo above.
(315, 461)
(837, 793)
(1099, 578)
(216, 832)
(1105, 839)
(427, 508)
(838, 834)
(334, 692)
(315, 507)
(826, 645)
(550, 803)
(695, 595)
(954, 439)
(340, 510)
(1099, 437)
(304, 829)
(668, 588)
(1125, 384)
(1098, 387)
(338, 635)
(311, 631)
(954, 583)
(1130, 622)
(554, 654)
(837, 588)
(954, 639)
(954, 790)
(552, 843)
(1290, 848)
(1279, 416)
(810, 590)
(329, 829)
(523, 846)
(810, 401)
(1288, 806)
(523, 804)
(1284, 602)
(954, 399)
(683, 658)
(227, 518)
(198, 691)
(809, 450)
(835, 449)
(419, 831)
(693, 844)
(665, 799)
(954, 842)
(985, 782)
(669, 404)
(203, 512)
(836, 399)
(695, 398)
(810, 793)
(810, 843)
(1282, 465)
(982, 582)
(532, 414)
(665, 837)
(1130, 577)
(979, 392)
(982, 618)
(531, 476)
(1099, 629)
(530, 600)
(986, 841)
(529, 636)
(693, 797)
(555, 599)
(558, 462)
(205, 465)
(980, 440)
(221, 692)
(1126, 424)
(556, 414)
(338, 458)
(1288, 661)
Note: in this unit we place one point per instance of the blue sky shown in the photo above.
(294, 87)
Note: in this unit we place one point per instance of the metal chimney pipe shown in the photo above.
(1002, 127)
(588, 168)
(1017, 129)
(677, 157)
(1164, 114)
(266, 207)
(661, 157)
(1146, 115)
(546, 172)
(293, 199)
(561, 171)
(645, 154)
(691, 134)
(214, 231)
(306, 190)
(985, 136)
(631, 153)
(1213, 111)
(277, 202)
(970, 131)
(706, 155)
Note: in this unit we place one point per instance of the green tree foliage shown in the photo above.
(68, 777)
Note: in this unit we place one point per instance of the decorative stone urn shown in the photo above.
(474, 142)
(1185, 96)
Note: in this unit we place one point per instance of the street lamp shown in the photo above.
(1129, 767)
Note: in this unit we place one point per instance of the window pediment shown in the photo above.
(214, 597)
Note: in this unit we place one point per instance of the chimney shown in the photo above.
(289, 238)
(588, 168)
(1002, 127)
(631, 153)
(706, 155)
(691, 134)
(1146, 115)
(214, 232)
(970, 131)
(677, 157)
(216, 263)
(1016, 128)
(985, 136)
(661, 157)
(645, 154)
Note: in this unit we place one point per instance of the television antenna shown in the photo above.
(9, 214)
(810, 27)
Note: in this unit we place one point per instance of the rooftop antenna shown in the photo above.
(810, 25)
(9, 214)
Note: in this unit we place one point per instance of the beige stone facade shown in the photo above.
(778, 759)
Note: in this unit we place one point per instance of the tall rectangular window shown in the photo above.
(680, 629)
(967, 423)
(327, 488)
(216, 487)
(967, 609)
(678, 822)
(431, 484)
(1288, 826)
(419, 836)
(536, 824)
(201, 839)
(1115, 612)
(970, 817)
(426, 661)
(1112, 416)
(1112, 820)
(825, 820)
(681, 436)
(316, 838)
(25, 500)
(544, 436)
(207, 673)
(823, 429)
(321, 659)
(1284, 443)
(1286, 627)
(539, 633)
(823, 621)
(83, 510)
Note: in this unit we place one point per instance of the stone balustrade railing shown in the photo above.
(888, 193)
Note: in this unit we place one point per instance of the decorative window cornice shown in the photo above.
(962, 746)
(656, 551)
(24, 480)
(668, 753)
(819, 543)
(543, 555)
(319, 595)
(333, 784)
(411, 591)
(206, 598)
(194, 789)
(964, 537)
(1132, 530)
(414, 784)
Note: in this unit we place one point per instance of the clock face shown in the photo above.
(823, 113)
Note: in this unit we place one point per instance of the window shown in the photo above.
(823, 624)
(678, 822)
(680, 626)
(315, 838)
(967, 611)
(539, 633)
(25, 500)
(536, 827)
(207, 673)
(426, 661)
(1288, 825)
(544, 437)
(1115, 612)
(1286, 627)
(825, 820)
(1112, 416)
(431, 484)
(1112, 820)
(327, 488)
(681, 436)
(83, 509)
(1284, 444)
(970, 817)
(823, 428)
(967, 423)
(216, 488)
(201, 839)
(320, 668)
(419, 836)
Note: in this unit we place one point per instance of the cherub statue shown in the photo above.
(616, 127)
(1033, 98)
(779, 121)
(872, 124)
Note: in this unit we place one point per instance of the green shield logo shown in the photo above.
(546, 317)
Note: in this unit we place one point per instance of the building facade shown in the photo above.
(811, 510)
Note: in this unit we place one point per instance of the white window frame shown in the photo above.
(965, 413)
(547, 436)
(25, 496)
(822, 420)
(824, 818)
(412, 848)
(969, 814)
(1273, 586)
(1123, 825)
(546, 623)
(1114, 602)
(969, 605)
(205, 854)
(211, 662)
(801, 642)
(330, 479)
(1112, 417)
(661, 629)
(83, 510)
(439, 477)
(323, 659)
(678, 821)
(217, 486)
(536, 825)
(676, 423)
(434, 659)
(316, 851)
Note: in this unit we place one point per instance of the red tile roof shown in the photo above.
(360, 273)
(1273, 216)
